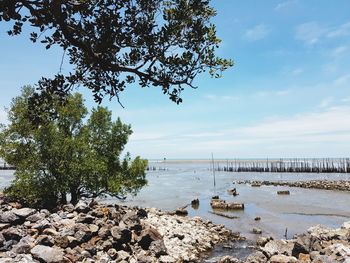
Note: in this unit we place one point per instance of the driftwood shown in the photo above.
(223, 215)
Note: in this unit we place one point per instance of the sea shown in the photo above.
(175, 183)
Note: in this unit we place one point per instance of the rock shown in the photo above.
(61, 241)
(257, 231)
(181, 212)
(85, 219)
(23, 212)
(232, 191)
(277, 247)
(142, 213)
(228, 259)
(82, 207)
(3, 226)
(167, 259)
(121, 235)
(12, 234)
(94, 229)
(123, 255)
(42, 224)
(257, 257)
(45, 240)
(283, 259)
(24, 245)
(285, 192)
(113, 253)
(305, 258)
(50, 232)
(258, 218)
(47, 254)
(301, 245)
(9, 217)
(104, 232)
(148, 236)
(261, 241)
(158, 248)
(346, 225)
(2, 239)
(35, 217)
(68, 208)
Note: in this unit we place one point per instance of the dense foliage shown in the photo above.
(112, 43)
(66, 156)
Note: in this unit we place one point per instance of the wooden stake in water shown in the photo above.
(212, 158)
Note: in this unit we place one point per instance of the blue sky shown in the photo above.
(288, 94)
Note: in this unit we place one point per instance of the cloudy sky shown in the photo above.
(288, 94)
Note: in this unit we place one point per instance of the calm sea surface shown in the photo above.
(182, 182)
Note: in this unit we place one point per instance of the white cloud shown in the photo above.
(326, 102)
(340, 51)
(342, 30)
(310, 32)
(342, 80)
(285, 5)
(221, 97)
(257, 33)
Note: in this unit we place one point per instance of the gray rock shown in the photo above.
(278, 247)
(261, 241)
(257, 231)
(121, 235)
(158, 248)
(82, 207)
(23, 212)
(45, 240)
(12, 234)
(257, 257)
(42, 224)
(24, 245)
(9, 217)
(35, 217)
(3, 226)
(47, 254)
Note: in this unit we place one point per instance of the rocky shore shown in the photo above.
(340, 185)
(92, 232)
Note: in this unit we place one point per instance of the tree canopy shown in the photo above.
(70, 155)
(113, 43)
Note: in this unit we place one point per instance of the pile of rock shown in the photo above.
(340, 185)
(318, 245)
(91, 232)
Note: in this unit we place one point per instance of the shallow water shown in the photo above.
(182, 182)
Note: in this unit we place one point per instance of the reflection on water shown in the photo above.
(182, 182)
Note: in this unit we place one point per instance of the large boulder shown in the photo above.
(47, 254)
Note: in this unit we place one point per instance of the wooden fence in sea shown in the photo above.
(5, 166)
(287, 165)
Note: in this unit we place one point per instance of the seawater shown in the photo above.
(182, 181)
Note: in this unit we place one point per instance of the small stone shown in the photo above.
(257, 231)
(228, 259)
(47, 254)
(258, 218)
(45, 240)
(82, 207)
(304, 258)
(181, 212)
(12, 234)
(158, 248)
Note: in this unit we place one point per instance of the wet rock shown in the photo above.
(284, 192)
(181, 212)
(283, 259)
(47, 254)
(258, 218)
(232, 191)
(257, 231)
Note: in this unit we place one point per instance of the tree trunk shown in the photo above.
(63, 200)
(74, 196)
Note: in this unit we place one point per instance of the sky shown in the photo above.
(288, 94)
